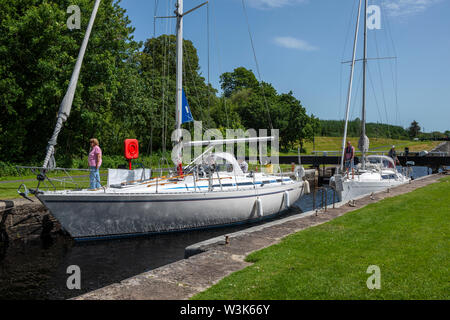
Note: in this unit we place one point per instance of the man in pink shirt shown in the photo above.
(95, 161)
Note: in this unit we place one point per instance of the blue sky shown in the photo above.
(300, 45)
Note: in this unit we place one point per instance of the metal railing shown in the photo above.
(324, 198)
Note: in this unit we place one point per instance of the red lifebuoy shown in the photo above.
(131, 149)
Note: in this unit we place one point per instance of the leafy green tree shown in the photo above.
(259, 106)
(240, 78)
(37, 56)
(414, 129)
(295, 119)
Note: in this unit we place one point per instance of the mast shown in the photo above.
(66, 104)
(363, 113)
(179, 90)
(349, 94)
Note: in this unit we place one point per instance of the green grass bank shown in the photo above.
(407, 237)
(376, 144)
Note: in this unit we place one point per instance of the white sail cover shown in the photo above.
(363, 144)
(125, 176)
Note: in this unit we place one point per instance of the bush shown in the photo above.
(9, 169)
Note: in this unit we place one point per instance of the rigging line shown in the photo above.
(389, 36)
(356, 95)
(155, 10)
(340, 92)
(341, 102)
(207, 41)
(217, 43)
(389, 31)
(207, 95)
(169, 57)
(197, 95)
(381, 82)
(374, 95)
(185, 77)
(395, 79)
(154, 17)
(256, 62)
(188, 64)
(165, 83)
(394, 75)
(163, 99)
(350, 20)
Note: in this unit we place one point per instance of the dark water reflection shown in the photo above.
(36, 270)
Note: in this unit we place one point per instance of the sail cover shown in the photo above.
(186, 115)
(363, 144)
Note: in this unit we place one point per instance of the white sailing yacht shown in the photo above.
(208, 195)
(375, 172)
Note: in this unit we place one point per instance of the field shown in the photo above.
(376, 144)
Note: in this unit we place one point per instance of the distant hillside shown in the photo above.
(335, 128)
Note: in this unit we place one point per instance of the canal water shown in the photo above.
(32, 269)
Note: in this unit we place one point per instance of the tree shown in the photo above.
(259, 106)
(122, 92)
(414, 129)
(37, 56)
(296, 121)
(240, 78)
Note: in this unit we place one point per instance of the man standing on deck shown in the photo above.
(393, 154)
(349, 159)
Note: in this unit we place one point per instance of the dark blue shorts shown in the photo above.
(349, 164)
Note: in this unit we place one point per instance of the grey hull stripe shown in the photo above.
(168, 200)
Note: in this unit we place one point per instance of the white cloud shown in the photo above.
(294, 43)
(402, 8)
(267, 4)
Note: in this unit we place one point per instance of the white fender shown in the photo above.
(259, 207)
(307, 189)
(287, 203)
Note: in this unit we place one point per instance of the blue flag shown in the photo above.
(186, 115)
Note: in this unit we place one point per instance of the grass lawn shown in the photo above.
(9, 184)
(407, 237)
(8, 190)
(384, 144)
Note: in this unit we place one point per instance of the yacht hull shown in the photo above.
(100, 215)
(354, 189)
